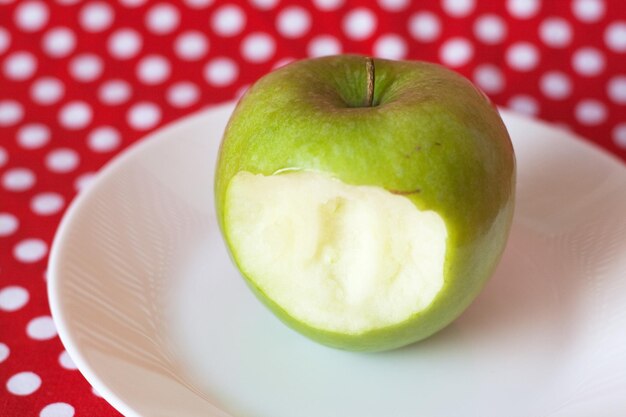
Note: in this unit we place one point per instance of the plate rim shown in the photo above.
(155, 139)
(54, 274)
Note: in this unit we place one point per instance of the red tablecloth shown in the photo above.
(81, 80)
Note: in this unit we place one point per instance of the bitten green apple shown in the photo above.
(365, 201)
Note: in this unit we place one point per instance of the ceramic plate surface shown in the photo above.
(156, 317)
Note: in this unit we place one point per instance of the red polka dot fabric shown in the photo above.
(82, 80)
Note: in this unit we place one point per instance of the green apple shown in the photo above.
(365, 201)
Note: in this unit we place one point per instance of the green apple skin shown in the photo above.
(430, 135)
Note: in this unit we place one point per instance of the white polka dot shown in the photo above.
(555, 85)
(11, 112)
(124, 43)
(456, 52)
(588, 62)
(132, 3)
(458, 8)
(13, 298)
(590, 112)
(59, 42)
(62, 160)
(228, 20)
(23, 383)
(41, 328)
(425, 26)
(555, 32)
(390, 47)
(524, 104)
(359, 24)
(47, 90)
(183, 94)
(394, 5)
(615, 36)
(96, 16)
(293, 22)
(258, 47)
(616, 89)
(522, 56)
(191, 45)
(114, 92)
(221, 72)
(5, 40)
(523, 9)
(619, 135)
(46, 204)
(18, 179)
(198, 4)
(30, 250)
(57, 410)
(66, 361)
(328, 5)
(153, 69)
(143, 116)
(162, 19)
(323, 45)
(4, 352)
(588, 11)
(31, 16)
(33, 136)
(84, 180)
(8, 224)
(86, 67)
(20, 66)
(104, 139)
(489, 78)
(490, 29)
(75, 115)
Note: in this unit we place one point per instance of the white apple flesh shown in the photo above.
(338, 257)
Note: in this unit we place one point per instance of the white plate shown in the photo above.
(156, 317)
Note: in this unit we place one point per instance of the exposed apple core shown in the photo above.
(338, 257)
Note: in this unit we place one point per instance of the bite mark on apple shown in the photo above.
(335, 256)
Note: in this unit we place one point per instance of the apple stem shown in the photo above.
(369, 67)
